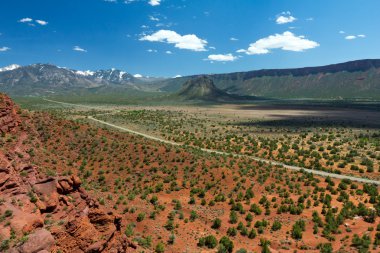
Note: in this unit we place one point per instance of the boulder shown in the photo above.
(38, 241)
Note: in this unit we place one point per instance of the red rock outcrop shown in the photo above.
(8, 114)
(56, 213)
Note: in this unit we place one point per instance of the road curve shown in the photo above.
(296, 168)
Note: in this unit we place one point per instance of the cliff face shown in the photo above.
(8, 116)
(40, 212)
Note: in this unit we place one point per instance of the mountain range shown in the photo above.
(43, 79)
(355, 79)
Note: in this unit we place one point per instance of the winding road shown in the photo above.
(296, 168)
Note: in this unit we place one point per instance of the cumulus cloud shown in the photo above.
(79, 49)
(285, 18)
(152, 50)
(361, 36)
(25, 20)
(286, 41)
(342, 32)
(188, 41)
(233, 39)
(4, 49)
(169, 52)
(154, 2)
(221, 57)
(41, 22)
(137, 75)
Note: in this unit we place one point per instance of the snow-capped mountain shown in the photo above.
(47, 78)
(10, 67)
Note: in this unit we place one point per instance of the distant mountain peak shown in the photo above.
(85, 73)
(202, 88)
(10, 67)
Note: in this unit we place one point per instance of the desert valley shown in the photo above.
(283, 159)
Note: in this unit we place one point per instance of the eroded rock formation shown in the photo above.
(40, 213)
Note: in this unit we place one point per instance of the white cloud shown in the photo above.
(286, 41)
(285, 18)
(350, 37)
(342, 32)
(137, 75)
(188, 41)
(353, 37)
(177, 76)
(241, 51)
(169, 52)
(41, 22)
(221, 57)
(152, 50)
(154, 2)
(29, 20)
(25, 20)
(79, 49)
(233, 39)
(3, 49)
(154, 18)
(111, 1)
(170, 24)
(310, 19)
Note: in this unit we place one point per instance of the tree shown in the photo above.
(233, 217)
(255, 209)
(252, 234)
(171, 239)
(297, 229)
(249, 217)
(211, 242)
(208, 241)
(227, 243)
(264, 243)
(193, 215)
(362, 244)
(140, 217)
(160, 248)
(276, 225)
(216, 223)
(325, 248)
(154, 200)
(232, 231)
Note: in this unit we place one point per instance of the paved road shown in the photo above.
(296, 168)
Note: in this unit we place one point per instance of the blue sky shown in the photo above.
(182, 37)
